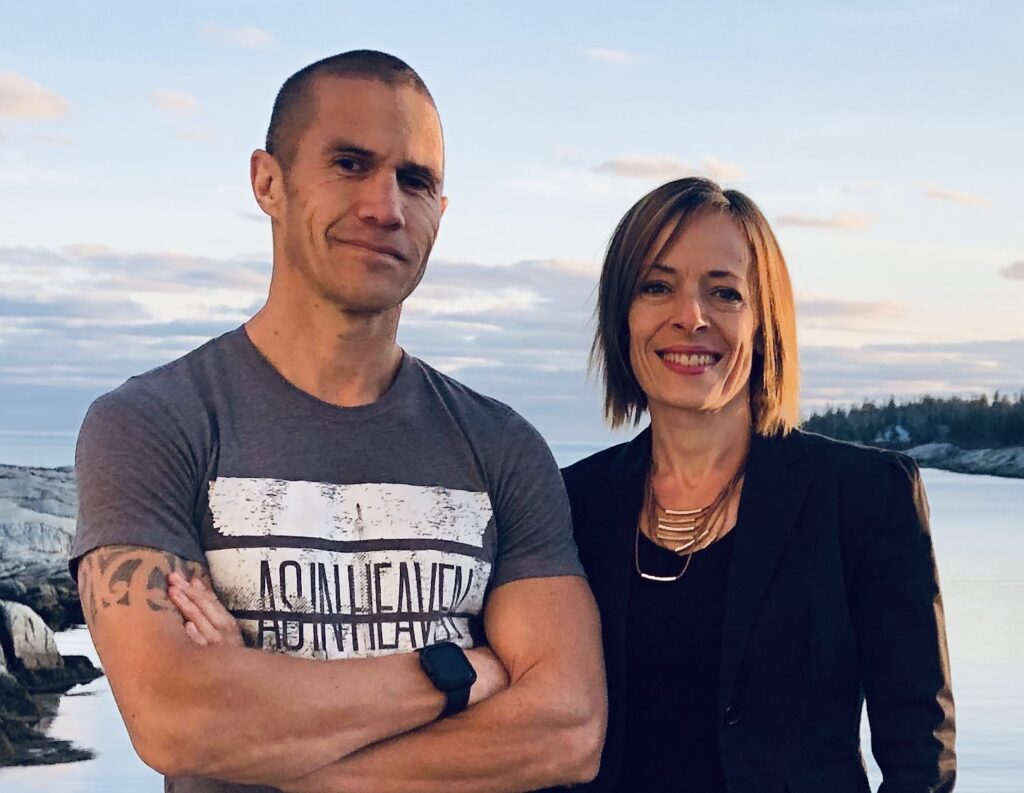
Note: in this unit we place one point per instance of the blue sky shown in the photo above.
(884, 141)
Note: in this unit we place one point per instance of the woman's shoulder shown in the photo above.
(614, 461)
(594, 465)
(847, 460)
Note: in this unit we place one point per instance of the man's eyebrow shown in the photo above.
(421, 171)
(409, 167)
(343, 147)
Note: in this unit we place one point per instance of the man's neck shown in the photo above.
(341, 358)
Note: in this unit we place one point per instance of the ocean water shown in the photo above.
(979, 540)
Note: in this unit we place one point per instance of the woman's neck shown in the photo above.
(699, 449)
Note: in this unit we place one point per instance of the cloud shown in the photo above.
(246, 37)
(644, 167)
(824, 310)
(563, 183)
(832, 222)
(23, 98)
(842, 375)
(176, 102)
(617, 57)
(666, 167)
(956, 197)
(1014, 271)
(722, 171)
(78, 321)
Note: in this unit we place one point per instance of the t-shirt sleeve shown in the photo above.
(136, 477)
(531, 510)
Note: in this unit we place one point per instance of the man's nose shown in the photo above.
(380, 201)
(688, 314)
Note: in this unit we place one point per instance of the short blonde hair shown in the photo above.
(775, 374)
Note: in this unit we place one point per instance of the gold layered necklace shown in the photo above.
(688, 530)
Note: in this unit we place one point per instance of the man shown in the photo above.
(348, 504)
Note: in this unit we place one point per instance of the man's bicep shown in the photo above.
(123, 589)
(551, 622)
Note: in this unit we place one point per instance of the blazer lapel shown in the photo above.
(623, 497)
(774, 490)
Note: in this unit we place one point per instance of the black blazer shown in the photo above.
(832, 597)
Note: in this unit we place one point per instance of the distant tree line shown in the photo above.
(977, 422)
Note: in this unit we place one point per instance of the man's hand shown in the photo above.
(208, 623)
(206, 620)
(227, 711)
(546, 729)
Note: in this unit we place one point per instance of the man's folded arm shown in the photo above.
(546, 729)
(230, 712)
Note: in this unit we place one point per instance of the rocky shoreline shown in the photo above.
(37, 596)
(1008, 461)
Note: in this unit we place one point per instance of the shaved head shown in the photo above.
(295, 105)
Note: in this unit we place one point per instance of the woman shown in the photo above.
(755, 582)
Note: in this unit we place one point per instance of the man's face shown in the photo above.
(362, 195)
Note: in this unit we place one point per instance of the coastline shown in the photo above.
(1006, 462)
(37, 508)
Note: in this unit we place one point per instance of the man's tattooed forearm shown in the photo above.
(108, 574)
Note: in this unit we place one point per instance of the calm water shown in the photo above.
(979, 541)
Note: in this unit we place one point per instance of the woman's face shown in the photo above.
(691, 324)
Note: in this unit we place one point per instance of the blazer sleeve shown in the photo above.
(897, 612)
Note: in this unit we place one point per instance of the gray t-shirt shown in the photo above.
(329, 532)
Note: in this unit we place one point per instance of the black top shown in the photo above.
(674, 638)
(832, 597)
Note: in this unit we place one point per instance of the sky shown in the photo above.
(883, 141)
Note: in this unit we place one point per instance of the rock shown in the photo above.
(33, 674)
(1008, 461)
(37, 524)
(15, 700)
(27, 638)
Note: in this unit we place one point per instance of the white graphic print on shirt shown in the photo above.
(343, 571)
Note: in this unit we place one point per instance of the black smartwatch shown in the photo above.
(451, 673)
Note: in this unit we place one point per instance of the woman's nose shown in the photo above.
(688, 314)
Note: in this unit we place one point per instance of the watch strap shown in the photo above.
(455, 701)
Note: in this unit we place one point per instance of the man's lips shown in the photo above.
(689, 360)
(374, 247)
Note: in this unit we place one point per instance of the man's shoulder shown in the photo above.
(175, 388)
(463, 400)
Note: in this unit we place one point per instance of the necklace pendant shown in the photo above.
(683, 511)
(676, 530)
(661, 578)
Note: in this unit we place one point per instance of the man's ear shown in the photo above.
(267, 180)
(444, 204)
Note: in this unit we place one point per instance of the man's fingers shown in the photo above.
(191, 611)
(215, 612)
(193, 633)
(211, 606)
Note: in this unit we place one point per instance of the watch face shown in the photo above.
(447, 666)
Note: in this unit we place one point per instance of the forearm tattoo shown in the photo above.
(114, 575)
